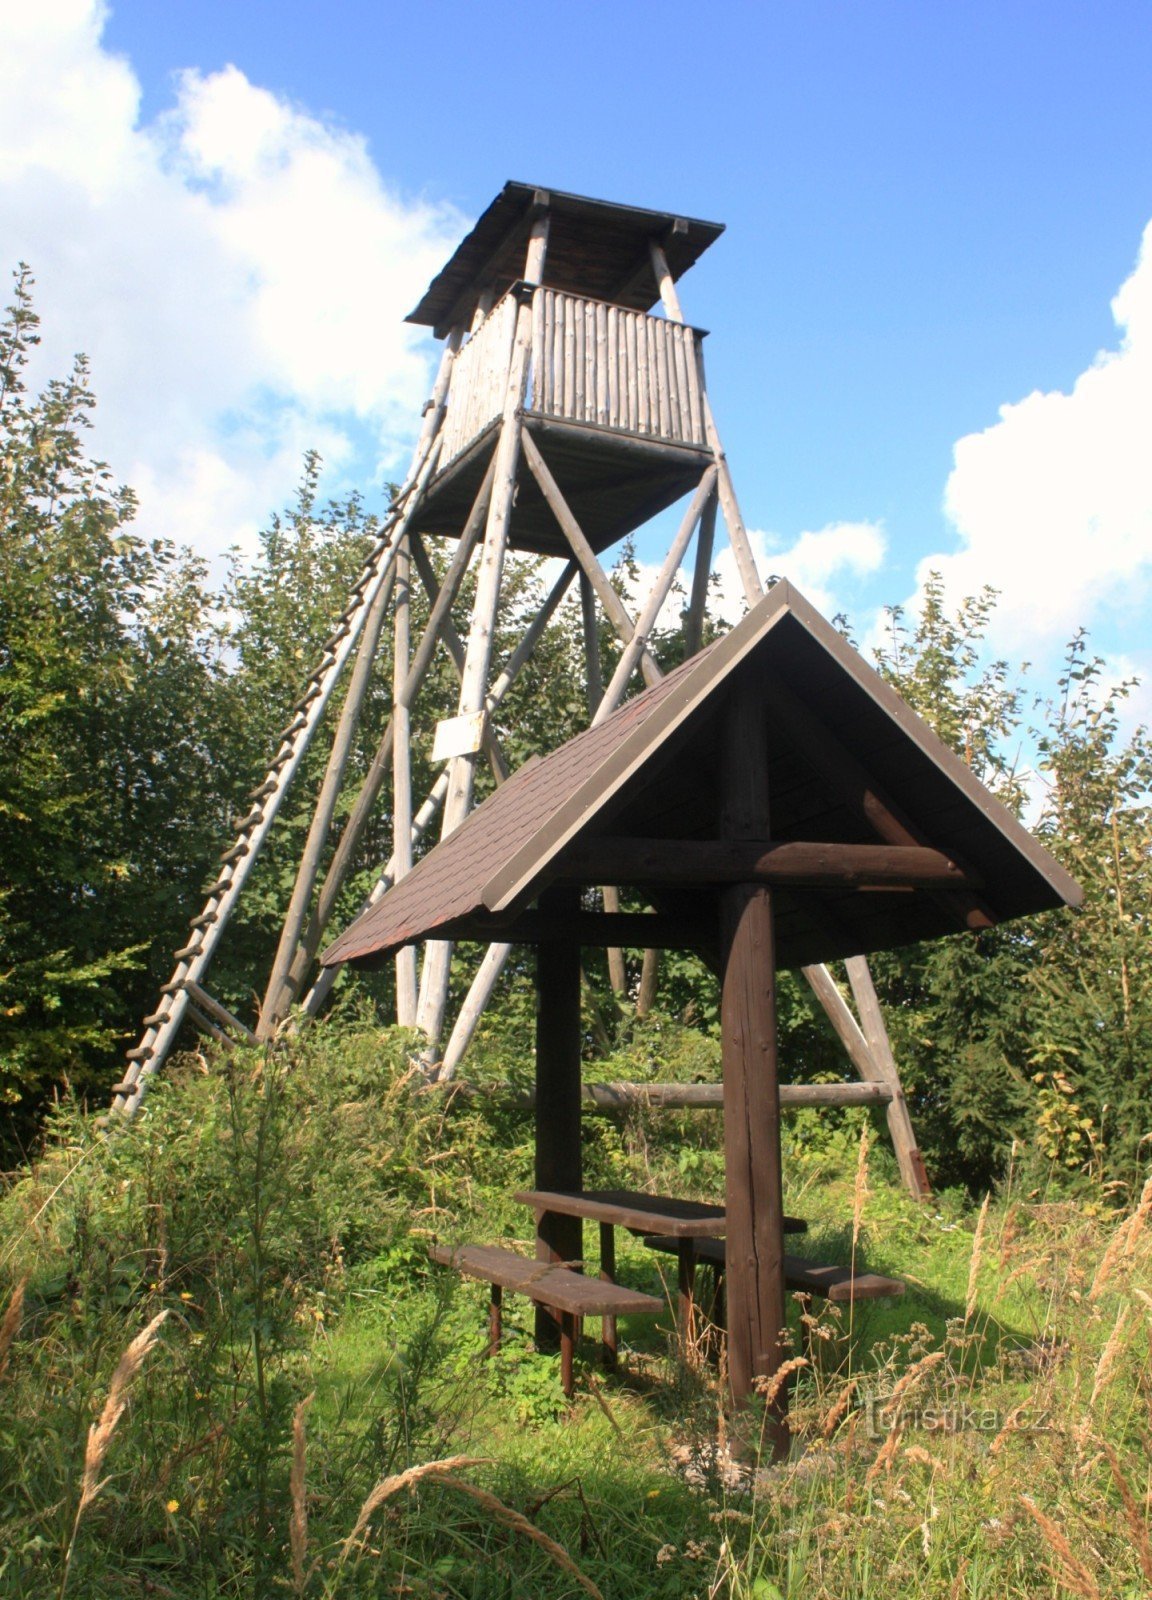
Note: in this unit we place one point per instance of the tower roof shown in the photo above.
(844, 744)
(595, 248)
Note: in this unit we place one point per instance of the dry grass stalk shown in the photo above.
(974, 1262)
(1123, 1242)
(1009, 1427)
(908, 1382)
(1071, 1571)
(914, 1375)
(886, 1454)
(10, 1327)
(1107, 1362)
(298, 1524)
(1137, 1523)
(859, 1187)
(521, 1524)
(836, 1415)
(387, 1487)
(771, 1384)
(100, 1433)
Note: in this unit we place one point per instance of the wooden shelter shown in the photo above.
(570, 406)
(778, 804)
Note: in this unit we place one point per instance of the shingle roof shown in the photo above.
(595, 248)
(651, 768)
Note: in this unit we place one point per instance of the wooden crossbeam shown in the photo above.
(593, 929)
(792, 864)
(860, 789)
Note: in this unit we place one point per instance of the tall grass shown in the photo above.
(322, 1421)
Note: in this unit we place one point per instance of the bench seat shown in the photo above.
(557, 1287)
(566, 1294)
(838, 1284)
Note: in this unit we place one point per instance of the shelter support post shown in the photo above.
(558, 1155)
(753, 1189)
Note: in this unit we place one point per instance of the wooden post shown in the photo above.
(912, 1168)
(402, 777)
(558, 1155)
(737, 532)
(474, 681)
(646, 620)
(279, 994)
(614, 608)
(701, 576)
(753, 1191)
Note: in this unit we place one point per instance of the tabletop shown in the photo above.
(639, 1212)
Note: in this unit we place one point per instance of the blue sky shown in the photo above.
(930, 210)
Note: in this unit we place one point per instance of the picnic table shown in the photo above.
(683, 1221)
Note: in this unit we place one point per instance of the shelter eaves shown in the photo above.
(850, 763)
(596, 248)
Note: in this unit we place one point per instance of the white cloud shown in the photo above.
(237, 271)
(821, 564)
(1052, 504)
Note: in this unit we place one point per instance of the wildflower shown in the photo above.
(172, 1506)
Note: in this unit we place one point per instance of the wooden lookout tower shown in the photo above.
(569, 408)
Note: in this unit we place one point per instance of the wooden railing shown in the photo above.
(479, 379)
(591, 363)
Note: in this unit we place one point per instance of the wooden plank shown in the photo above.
(544, 1282)
(632, 380)
(792, 863)
(838, 1284)
(616, 411)
(603, 415)
(628, 1208)
(661, 338)
(576, 308)
(682, 409)
(692, 379)
(559, 1158)
(566, 306)
(752, 1162)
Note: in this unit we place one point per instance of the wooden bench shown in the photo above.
(568, 1295)
(837, 1284)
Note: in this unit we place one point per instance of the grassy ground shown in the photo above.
(313, 1414)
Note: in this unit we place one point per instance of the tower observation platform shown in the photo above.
(613, 394)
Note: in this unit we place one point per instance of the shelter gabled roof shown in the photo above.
(842, 744)
(596, 248)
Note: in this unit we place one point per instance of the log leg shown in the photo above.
(608, 1273)
(495, 1319)
(567, 1352)
(686, 1289)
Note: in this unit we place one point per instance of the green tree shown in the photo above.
(108, 660)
